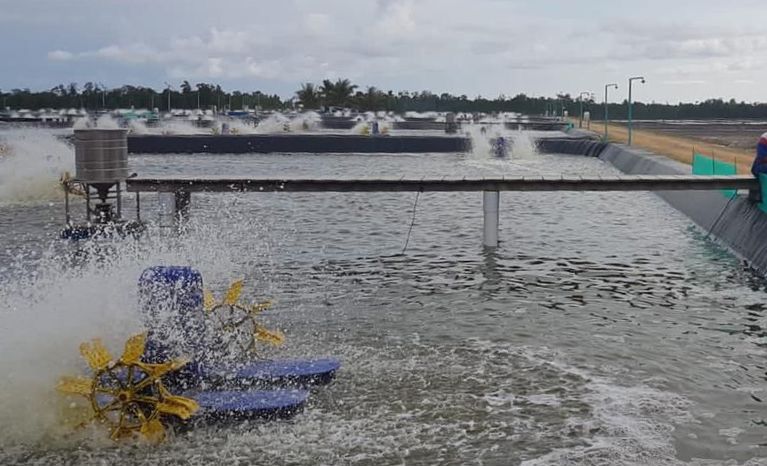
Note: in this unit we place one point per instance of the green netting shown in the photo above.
(702, 165)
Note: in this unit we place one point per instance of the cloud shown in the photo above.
(60, 55)
(397, 18)
(317, 23)
(487, 46)
(684, 82)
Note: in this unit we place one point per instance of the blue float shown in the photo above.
(171, 299)
(283, 373)
(249, 405)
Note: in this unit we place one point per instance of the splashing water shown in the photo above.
(236, 126)
(54, 307)
(107, 122)
(522, 143)
(179, 127)
(307, 121)
(424, 115)
(385, 125)
(82, 123)
(275, 123)
(31, 168)
(138, 127)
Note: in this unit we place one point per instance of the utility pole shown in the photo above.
(630, 116)
(103, 96)
(168, 84)
(608, 86)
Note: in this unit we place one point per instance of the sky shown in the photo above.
(689, 50)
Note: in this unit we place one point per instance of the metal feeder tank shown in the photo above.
(101, 168)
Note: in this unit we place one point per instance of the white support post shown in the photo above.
(490, 207)
(174, 210)
(167, 211)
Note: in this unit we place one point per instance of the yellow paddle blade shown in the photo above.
(96, 354)
(178, 406)
(134, 348)
(260, 307)
(233, 294)
(208, 300)
(158, 370)
(273, 337)
(75, 385)
(153, 430)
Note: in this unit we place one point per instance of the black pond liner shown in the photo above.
(738, 223)
(294, 143)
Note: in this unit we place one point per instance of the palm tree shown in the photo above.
(309, 95)
(337, 93)
(327, 90)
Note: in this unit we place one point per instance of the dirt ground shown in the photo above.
(736, 134)
(679, 141)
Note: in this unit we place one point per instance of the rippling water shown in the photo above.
(604, 330)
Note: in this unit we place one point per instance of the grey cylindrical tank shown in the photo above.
(101, 155)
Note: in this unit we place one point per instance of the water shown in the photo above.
(604, 330)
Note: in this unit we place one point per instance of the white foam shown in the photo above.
(49, 310)
(632, 424)
(32, 166)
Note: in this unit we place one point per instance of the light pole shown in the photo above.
(580, 98)
(168, 84)
(607, 118)
(631, 82)
(103, 96)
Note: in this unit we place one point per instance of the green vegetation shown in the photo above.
(92, 96)
(343, 93)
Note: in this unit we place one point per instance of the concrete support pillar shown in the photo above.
(174, 209)
(451, 127)
(183, 201)
(490, 207)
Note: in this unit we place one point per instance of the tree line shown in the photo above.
(343, 93)
(92, 96)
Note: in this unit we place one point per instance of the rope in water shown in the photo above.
(412, 222)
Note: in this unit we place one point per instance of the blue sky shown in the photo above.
(688, 50)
